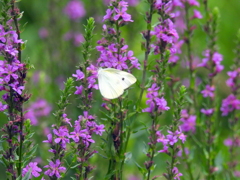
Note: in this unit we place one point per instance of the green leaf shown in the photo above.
(128, 156)
(23, 45)
(27, 175)
(76, 165)
(31, 153)
(141, 169)
(149, 26)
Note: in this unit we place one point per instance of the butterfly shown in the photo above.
(112, 82)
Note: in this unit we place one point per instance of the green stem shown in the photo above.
(189, 54)
(147, 51)
(189, 169)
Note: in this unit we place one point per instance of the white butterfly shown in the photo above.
(112, 82)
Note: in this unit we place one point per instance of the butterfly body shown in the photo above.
(112, 82)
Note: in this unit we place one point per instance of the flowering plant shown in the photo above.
(178, 121)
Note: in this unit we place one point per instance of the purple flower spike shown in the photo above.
(229, 104)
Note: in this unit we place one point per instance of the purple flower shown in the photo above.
(99, 129)
(130, 2)
(66, 120)
(228, 142)
(207, 112)
(77, 38)
(213, 63)
(37, 109)
(79, 89)
(162, 104)
(54, 169)
(32, 166)
(43, 33)
(197, 14)
(87, 140)
(188, 121)
(236, 173)
(19, 89)
(209, 91)
(108, 15)
(182, 137)
(154, 101)
(164, 150)
(152, 91)
(229, 104)
(49, 140)
(78, 133)
(3, 106)
(62, 134)
(9, 72)
(193, 2)
(172, 138)
(120, 63)
(122, 14)
(161, 138)
(79, 75)
(186, 150)
(176, 173)
(74, 10)
(232, 81)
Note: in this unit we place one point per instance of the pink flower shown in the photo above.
(74, 10)
(197, 14)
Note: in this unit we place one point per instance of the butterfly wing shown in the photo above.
(109, 87)
(121, 77)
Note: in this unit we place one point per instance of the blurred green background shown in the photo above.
(44, 26)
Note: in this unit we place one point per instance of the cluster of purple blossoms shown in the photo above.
(116, 54)
(83, 129)
(170, 139)
(110, 58)
(130, 2)
(166, 36)
(207, 112)
(11, 69)
(165, 33)
(230, 104)
(232, 82)
(188, 121)
(155, 102)
(166, 30)
(176, 173)
(38, 109)
(91, 80)
(212, 62)
(208, 91)
(74, 10)
(118, 13)
(232, 142)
